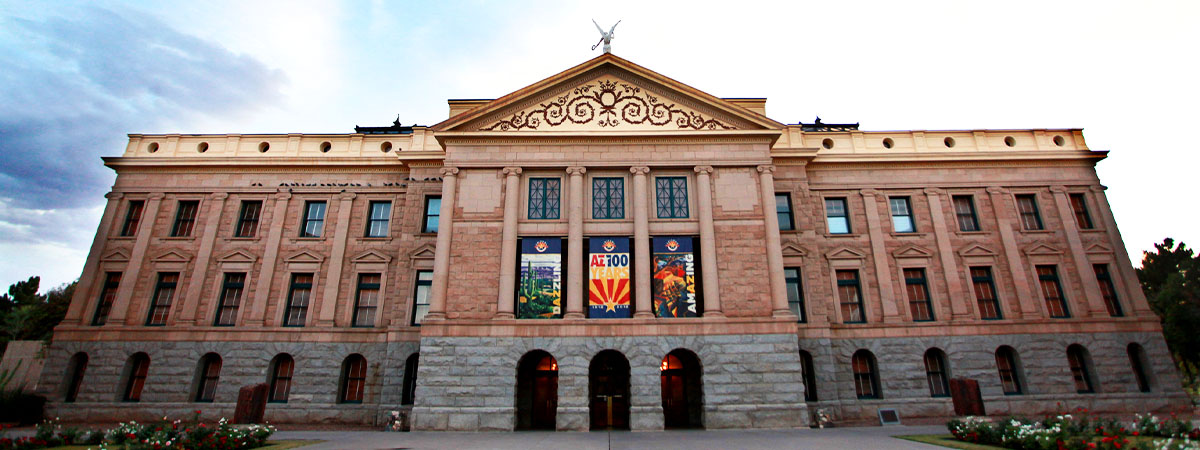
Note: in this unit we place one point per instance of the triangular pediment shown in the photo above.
(1042, 249)
(607, 94)
(912, 251)
(1098, 249)
(423, 252)
(118, 255)
(237, 256)
(976, 250)
(371, 256)
(845, 253)
(171, 256)
(793, 249)
(305, 256)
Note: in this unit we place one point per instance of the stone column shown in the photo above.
(779, 300)
(191, 301)
(879, 255)
(441, 256)
(326, 316)
(708, 243)
(641, 242)
(1094, 301)
(508, 247)
(83, 291)
(576, 285)
(645, 392)
(1016, 269)
(960, 306)
(120, 307)
(1123, 267)
(262, 290)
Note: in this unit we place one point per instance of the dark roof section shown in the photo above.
(396, 128)
(820, 126)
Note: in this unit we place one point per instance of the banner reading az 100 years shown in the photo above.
(608, 275)
(540, 294)
(674, 282)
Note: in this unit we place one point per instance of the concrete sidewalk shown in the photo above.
(855, 438)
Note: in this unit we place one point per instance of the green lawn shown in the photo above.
(271, 445)
(948, 441)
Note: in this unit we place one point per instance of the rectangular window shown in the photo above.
(544, 197)
(964, 210)
(1052, 291)
(837, 215)
(160, 304)
(783, 209)
(672, 196)
(1031, 219)
(231, 298)
(433, 211)
(985, 293)
(298, 296)
(112, 281)
(902, 217)
(313, 221)
(377, 221)
(795, 292)
(917, 288)
(1082, 218)
(248, 216)
(608, 198)
(850, 296)
(367, 299)
(1108, 290)
(421, 295)
(185, 218)
(133, 217)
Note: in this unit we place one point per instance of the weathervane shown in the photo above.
(605, 38)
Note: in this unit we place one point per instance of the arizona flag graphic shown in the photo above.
(608, 278)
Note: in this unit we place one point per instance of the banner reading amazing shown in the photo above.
(608, 275)
(674, 281)
(540, 294)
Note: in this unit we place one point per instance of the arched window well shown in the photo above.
(937, 373)
(354, 379)
(1009, 368)
(1140, 365)
(76, 367)
(136, 370)
(810, 376)
(866, 376)
(409, 395)
(1081, 369)
(280, 378)
(207, 376)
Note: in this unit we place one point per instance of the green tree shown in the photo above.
(27, 315)
(1170, 278)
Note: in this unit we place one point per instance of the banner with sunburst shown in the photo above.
(608, 278)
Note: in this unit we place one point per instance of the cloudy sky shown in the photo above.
(76, 77)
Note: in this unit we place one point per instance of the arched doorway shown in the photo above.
(537, 391)
(682, 396)
(608, 391)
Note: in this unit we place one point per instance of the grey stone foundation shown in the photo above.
(748, 381)
(1047, 382)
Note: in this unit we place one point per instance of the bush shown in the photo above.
(178, 434)
(1077, 430)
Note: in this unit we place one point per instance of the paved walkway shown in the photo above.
(856, 438)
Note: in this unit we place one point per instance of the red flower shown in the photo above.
(1135, 433)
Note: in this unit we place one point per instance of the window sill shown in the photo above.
(972, 233)
(1092, 230)
(911, 234)
(375, 239)
(426, 234)
(843, 235)
(178, 238)
(310, 238)
(1037, 231)
(243, 238)
(123, 238)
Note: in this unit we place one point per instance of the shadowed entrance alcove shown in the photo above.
(608, 391)
(537, 391)
(682, 395)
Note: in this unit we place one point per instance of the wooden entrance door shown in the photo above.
(537, 391)
(675, 407)
(682, 396)
(545, 400)
(608, 391)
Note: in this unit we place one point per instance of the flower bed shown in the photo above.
(1078, 430)
(178, 434)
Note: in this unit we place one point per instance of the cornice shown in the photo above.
(472, 138)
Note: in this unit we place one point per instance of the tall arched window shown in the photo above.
(207, 377)
(409, 395)
(1080, 363)
(866, 377)
(354, 379)
(137, 369)
(1138, 362)
(75, 369)
(810, 377)
(281, 378)
(937, 373)
(1010, 371)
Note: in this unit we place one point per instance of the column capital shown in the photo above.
(114, 195)
(346, 196)
(218, 196)
(704, 169)
(766, 168)
(511, 171)
(934, 191)
(449, 171)
(996, 190)
(155, 196)
(1058, 189)
(576, 170)
(869, 192)
(639, 170)
(1098, 188)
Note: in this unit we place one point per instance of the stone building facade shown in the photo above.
(450, 272)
